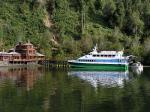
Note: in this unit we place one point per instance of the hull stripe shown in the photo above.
(99, 66)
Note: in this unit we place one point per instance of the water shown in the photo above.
(35, 89)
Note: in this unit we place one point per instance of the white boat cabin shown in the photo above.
(103, 55)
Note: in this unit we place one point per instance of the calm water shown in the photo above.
(38, 90)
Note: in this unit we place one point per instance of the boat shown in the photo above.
(103, 60)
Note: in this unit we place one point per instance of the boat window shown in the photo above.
(94, 55)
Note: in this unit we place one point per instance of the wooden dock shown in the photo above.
(54, 64)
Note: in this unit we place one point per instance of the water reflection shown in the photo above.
(21, 77)
(55, 91)
(104, 78)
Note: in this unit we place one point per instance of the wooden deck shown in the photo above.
(54, 64)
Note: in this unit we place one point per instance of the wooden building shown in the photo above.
(4, 56)
(22, 53)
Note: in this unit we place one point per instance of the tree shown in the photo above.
(108, 12)
(119, 14)
(66, 20)
(134, 25)
(146, 51)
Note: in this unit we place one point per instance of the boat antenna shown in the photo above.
(95, 48)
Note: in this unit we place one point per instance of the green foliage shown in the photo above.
(108, 11)
(65, 19)
(20, 21)
(146, 51)
(76, 25)
(119, 15)
(134, 24)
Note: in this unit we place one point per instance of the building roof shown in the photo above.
(14, 53)
(12, 49)
(4, 52)
(38, 54)
(27, 44)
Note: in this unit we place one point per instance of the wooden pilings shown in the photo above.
(54, 64)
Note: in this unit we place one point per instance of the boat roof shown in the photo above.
(105, 52)
(109, 52)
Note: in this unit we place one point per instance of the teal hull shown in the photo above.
(105, 67)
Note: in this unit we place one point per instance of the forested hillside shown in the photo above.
(69, 28)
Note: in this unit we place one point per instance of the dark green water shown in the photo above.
(39, 90)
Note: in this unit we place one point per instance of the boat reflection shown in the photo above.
(103, 78)
(21, 77)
